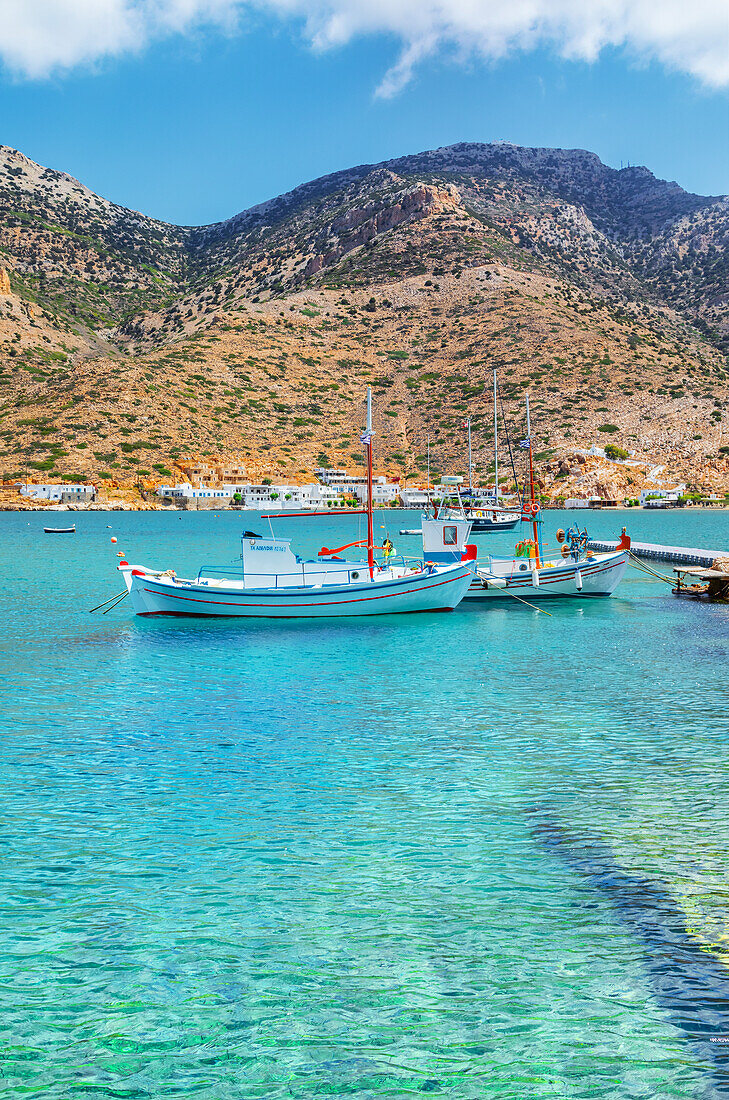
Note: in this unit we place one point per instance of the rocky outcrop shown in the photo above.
(360, 226)
(5, 288)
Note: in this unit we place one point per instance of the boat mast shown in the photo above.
(535, 525)
(496, 447)
(428, 502)
(367, 440)
(470, 479)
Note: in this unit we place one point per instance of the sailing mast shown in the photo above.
(428, 503)
(366, 438)
(470, 465)
(534, 506)
(496, 447)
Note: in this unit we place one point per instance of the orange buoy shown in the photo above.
(120, 553)
(113, 539)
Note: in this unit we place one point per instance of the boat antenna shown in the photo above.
(366, 438)
(496, 447)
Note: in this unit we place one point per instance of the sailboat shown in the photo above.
(274, 582)
(487, 513)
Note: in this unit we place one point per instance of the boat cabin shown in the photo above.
(446, 540)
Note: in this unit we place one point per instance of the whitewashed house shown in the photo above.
(414, 498)
(67, 493)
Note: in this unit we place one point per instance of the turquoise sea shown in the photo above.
(479, 855)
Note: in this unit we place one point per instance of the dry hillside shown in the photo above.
(125, 342)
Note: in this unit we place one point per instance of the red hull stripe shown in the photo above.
(329, 603)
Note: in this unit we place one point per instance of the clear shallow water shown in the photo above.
(480, 854)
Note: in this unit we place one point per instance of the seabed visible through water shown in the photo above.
(481, 854)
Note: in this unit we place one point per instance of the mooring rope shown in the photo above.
(646, 569)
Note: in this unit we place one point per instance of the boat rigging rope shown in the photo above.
(638, 564)
(110, 600)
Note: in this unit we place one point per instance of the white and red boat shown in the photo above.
(533, 574)
(274, 582)
(580, 573)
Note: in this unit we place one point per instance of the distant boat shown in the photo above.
(60, 530)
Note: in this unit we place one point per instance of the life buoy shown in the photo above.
(534, 508)
(565, 550)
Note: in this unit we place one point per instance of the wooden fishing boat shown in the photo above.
(60, 530)
(533, 575)
(582, 573)
(274, 582)
(571, 570)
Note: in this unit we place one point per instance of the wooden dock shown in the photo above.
(689, 554)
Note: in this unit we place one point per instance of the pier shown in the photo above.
(688, 554)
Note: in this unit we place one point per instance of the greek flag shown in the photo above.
(366, 438)
(525, 444)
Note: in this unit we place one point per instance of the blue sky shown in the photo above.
(192, 128)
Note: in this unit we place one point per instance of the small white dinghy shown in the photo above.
(273, 582)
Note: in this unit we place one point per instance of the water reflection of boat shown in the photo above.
(274, 582)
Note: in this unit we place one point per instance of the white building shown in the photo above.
(66, 493)
(383, 492)
(186, 491)
(327, 475)
(414, 498)
(576, 502)
(659, 497)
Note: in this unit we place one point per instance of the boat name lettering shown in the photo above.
(278, 549)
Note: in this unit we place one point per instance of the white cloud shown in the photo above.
(39, 37)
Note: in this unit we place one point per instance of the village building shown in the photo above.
(61, 493)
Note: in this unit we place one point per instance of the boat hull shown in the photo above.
(481, 526)
(441, 590)
(600, 576)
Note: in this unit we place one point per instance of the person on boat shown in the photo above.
(388, 547)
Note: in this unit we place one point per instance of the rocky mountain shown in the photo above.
(124, 340)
